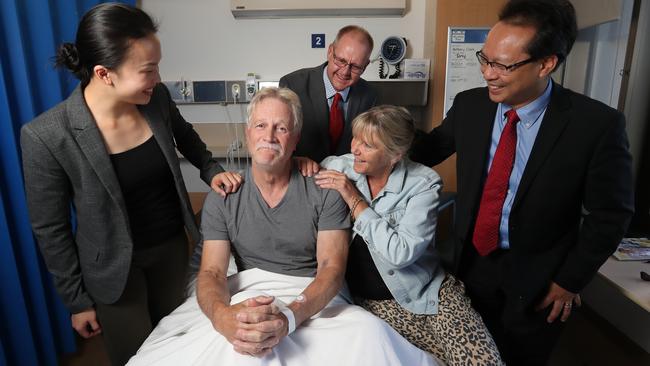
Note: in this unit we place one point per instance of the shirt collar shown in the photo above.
(530, 113)
(329, 89)
(396, 178)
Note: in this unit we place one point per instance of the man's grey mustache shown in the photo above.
(266, 145)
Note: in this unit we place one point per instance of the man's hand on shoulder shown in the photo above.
(306, 166)
(226, 182)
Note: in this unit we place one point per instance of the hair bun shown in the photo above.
(68, 56)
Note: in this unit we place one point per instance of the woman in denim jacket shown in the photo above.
(393, 268)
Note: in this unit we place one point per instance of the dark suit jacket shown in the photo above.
(579, 159)
(66, 162)
(314, 138)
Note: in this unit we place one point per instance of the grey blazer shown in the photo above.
(66, 163)
(314, 139)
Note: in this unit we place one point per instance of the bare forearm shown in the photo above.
(319, 293)
(212, 293)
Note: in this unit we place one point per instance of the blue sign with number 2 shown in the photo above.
(318, 41)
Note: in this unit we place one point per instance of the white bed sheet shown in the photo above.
(341, 334)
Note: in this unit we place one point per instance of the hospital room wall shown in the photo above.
(201, 40)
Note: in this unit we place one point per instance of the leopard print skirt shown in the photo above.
(456, 334)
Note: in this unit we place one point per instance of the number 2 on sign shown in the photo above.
(318, 41)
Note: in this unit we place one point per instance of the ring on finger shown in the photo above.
(568, 304)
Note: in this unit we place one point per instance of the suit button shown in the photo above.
(432, 302)
(391, 272)
(408, 300)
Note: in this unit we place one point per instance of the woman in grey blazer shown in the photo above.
(109, 153)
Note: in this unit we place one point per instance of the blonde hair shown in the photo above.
(393, 126)
(286, 96)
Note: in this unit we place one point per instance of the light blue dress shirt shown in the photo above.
(330, 92)
(399, 228)
(530, 119)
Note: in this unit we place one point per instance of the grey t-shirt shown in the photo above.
(281, 239)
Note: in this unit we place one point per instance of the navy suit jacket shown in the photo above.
(575, 198)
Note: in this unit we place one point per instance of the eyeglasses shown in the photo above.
(499, 67)
(355, 69)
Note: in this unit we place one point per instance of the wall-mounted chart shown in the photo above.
(463, 70)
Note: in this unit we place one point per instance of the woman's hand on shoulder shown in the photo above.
(306, 166)
(331, 179)
(226, 182)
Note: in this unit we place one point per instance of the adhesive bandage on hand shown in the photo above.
(301, 298)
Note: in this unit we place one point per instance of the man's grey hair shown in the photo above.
(286, 96)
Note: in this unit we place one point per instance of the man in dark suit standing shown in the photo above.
(544, 181)
(333, 94)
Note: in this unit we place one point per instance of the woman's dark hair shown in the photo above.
(554, 20)
(103, 38)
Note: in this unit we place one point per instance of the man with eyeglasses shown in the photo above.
(544, 181)
(333, 94)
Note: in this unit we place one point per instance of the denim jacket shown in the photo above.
(399, 228)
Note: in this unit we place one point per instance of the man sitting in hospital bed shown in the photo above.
(290, 241)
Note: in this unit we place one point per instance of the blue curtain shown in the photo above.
(34, 325)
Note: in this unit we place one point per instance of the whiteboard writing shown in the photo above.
(463, 70)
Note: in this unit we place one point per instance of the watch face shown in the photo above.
(393, 50)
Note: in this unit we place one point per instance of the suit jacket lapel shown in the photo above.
(157, 123)
(555, 120)
(90, 141)
(355, 98)
(479, 136)
(354, 103)
(319, 99)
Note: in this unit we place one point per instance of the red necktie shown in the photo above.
(486, 229)
(336, 122)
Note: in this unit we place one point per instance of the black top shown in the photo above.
(149, 193)
(362, 275)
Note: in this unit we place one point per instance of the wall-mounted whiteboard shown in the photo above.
(463, 71)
